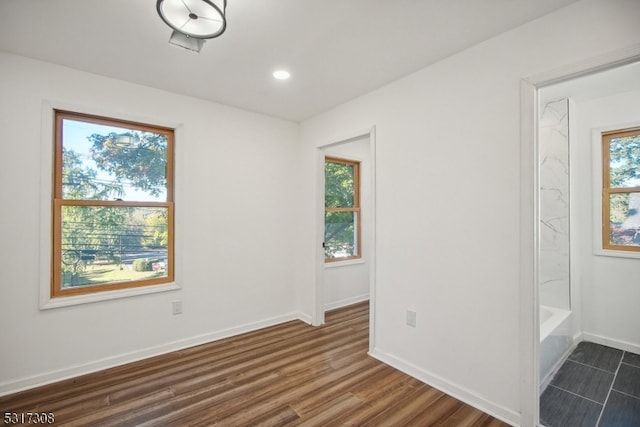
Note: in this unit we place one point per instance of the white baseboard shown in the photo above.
(467, 396)
(306, 318)
(611, 342)
(20, 384)
(345, 302)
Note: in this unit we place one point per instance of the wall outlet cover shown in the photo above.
(411, 318)
(176, 307)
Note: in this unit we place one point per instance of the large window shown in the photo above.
(621, 190)
(112, 205)
(342, 210)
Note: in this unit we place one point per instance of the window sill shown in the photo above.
(344, 263)
(616, 254)
(47, 302)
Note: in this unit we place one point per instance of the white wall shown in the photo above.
(348, 282)
(609, 285)
(237, 227)
(447, 180)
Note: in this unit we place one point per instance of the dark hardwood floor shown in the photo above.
(290, 374)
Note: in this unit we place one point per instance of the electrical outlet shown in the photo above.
(411, 318)
(176, 307)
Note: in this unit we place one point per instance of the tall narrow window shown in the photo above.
(112, 205)
(342, 210)
(621, 190)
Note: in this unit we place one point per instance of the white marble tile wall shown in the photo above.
(554, 204)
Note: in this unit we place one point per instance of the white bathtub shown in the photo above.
(550, 319)
(556, 339)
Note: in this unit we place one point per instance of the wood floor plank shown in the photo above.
(465, 416)
(284, 416)
(437, 412)
(290, 374)
(405, 410)
(331, 409)
(262, 400)
(316, 398)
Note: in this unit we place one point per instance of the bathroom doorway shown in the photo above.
(532, 90)
(589, 317)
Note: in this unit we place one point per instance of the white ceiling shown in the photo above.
(336, 50)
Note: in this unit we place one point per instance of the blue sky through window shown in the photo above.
(75, 137)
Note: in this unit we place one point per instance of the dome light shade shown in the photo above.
(200, 19)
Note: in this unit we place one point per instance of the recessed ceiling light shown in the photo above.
(281, 74)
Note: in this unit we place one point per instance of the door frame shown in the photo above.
(529, 218)
(318, 306)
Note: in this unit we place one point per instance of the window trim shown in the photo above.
(56, 292)
(356, 208)
(607, 191)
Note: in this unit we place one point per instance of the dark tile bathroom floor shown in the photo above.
(596, 386)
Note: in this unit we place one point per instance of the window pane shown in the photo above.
(624, 216)
(624, 162)
(101, 162)
(339, 185)
(340, 234)
(102, 245)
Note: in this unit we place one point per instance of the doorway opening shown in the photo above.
(346, 281)
(531, 220)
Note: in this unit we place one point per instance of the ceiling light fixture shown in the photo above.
(281, 74)
(193, 21)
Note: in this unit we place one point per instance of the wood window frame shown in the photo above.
(356, 208)
(58, 202)
(607, 190)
